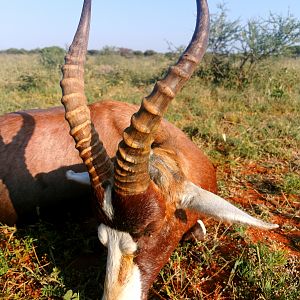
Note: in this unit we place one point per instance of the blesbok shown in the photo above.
(156, 185)
(150, 183)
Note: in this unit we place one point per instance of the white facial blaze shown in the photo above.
(123, 279)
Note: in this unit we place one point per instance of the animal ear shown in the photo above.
(82, 178)
(207, 203)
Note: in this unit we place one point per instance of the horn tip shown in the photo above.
(265, 225)
(272, 226)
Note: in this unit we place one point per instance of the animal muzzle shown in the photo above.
(123, 278)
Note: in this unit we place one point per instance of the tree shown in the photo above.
(223, 37)
(234, 50)
(263, 38)
(223, 32)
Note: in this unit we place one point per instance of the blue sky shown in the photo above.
(133, 24)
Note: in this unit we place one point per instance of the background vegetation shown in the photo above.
(242, 108)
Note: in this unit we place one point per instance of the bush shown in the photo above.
(149, 53)
(126, 52)
(235, 50)
(138, 53)
(108, 50)
(29, 82)
(93, 52)
(14, 51)
(52, 57)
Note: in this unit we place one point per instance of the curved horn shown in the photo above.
(209, 204)
(90, 148)
(131, 167)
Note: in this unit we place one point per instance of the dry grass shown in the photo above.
(251, 134)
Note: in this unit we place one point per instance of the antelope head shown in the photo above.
(144, 198)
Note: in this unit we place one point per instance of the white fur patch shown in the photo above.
(120, 245)
(82, 178)
(102, 234)
(107, 205)
(201, 224)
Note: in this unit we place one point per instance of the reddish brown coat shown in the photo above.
(36, 150)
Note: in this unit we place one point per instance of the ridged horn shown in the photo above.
(132, 159)
(77, 113)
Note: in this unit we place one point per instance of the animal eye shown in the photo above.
(150, 228)
(102, 234)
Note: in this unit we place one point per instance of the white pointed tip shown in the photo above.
(212, 205)
(249, 220)
(268, 226)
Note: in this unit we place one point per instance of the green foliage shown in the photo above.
(69, 295)
(149, 53)
(235, 127)
(121, 51)
(52, 57)
(20, 51)
(263, 38)
(267, 273)
(109, 50)
(138, 53)
(93, 52)
(42, 255)
(291, 184)
(14, 51)
(174, 52)
(219, 62)
(56, 287)
(223, 32)
(30, 82)
(235, 50)
(293, 51)
(18, 256)
(4, 266)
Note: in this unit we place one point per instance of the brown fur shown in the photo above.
(153, 219)
(125, 268)
(36, 150)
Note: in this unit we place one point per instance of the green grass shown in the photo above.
(42, 261)
(267, 273)
(220, 270)
(252, 135)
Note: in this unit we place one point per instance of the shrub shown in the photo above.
(29, 82)
(52, 57)
(149, 53)
(93, 52)
(235, 50)
(138, 53)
